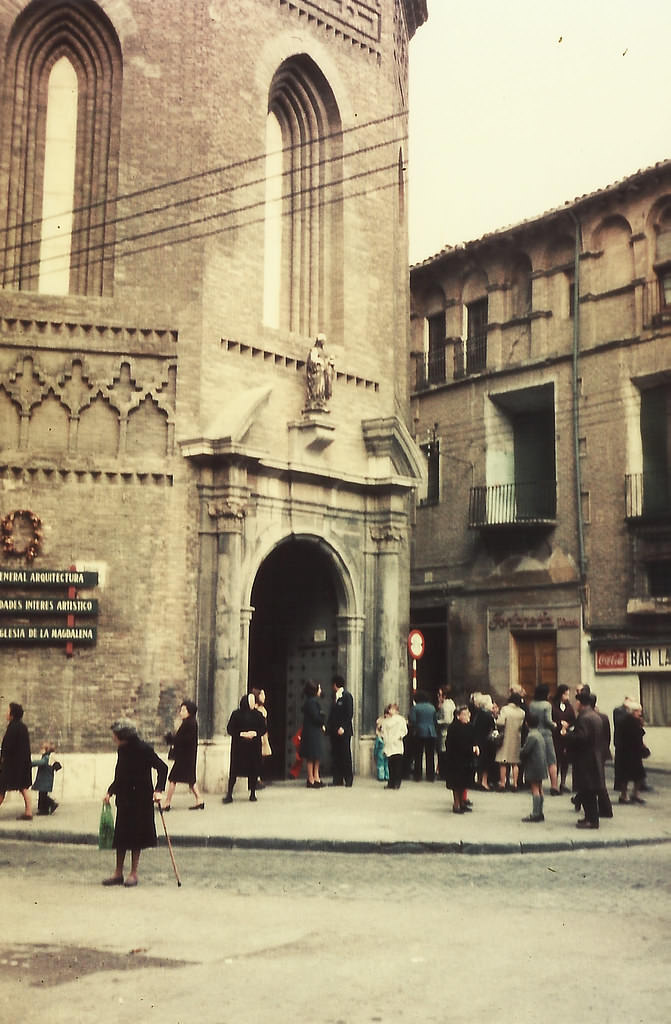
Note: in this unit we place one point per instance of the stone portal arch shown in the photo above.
(302, 626)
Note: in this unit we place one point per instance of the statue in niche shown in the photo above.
(320, 373)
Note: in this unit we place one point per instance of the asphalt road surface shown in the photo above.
(306, 938)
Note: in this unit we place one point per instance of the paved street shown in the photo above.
(280, 936)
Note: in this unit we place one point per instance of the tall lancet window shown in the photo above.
(273, 224)
(60, 125)
(59, 179)
(303, 265)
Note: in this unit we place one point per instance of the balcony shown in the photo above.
(656, 311)
(470, 356)
(431, 368)
(510, 505)
(647, 498)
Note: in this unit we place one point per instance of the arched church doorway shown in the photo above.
(292, 639)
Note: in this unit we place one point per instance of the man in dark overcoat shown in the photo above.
(340, 730)
(585, 744)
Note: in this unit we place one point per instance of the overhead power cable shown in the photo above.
(193, 200)
(222, 169)
(115, 252)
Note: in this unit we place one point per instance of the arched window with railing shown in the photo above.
(60, 125)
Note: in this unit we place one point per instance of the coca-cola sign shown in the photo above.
(634, 659)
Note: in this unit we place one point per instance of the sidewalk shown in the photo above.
(368, 819)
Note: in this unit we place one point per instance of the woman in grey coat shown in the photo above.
(541, 707)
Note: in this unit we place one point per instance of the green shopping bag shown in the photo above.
(106, 828)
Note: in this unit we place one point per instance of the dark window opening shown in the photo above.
(659, 579)
(436, 356)
(476, 337)
(432, 452)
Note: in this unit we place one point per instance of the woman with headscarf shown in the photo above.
(135, 796)
(246, 726)
(15, 762)
(184, 747)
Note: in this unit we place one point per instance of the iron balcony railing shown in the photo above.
(431, 368)
(647, 496)
(470, 356)
(521, 504)
(655, 309)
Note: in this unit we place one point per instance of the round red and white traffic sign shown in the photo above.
(416, 643)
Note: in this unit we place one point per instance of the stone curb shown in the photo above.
(353, 846)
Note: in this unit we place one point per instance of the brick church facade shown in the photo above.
(186, 203)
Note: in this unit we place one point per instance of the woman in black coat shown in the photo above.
(184, 749)
(312, 737)
(246, 726)
(629, 753)
(15, 762)
(135, 795)
(460, 754)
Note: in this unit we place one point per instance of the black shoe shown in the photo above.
(534, 817)
(196, 807)
(227, 799)
(165, 809)
(457, 810)
(583, 823)
(466, 809)
(114, 880)
(252, 798)
(555, 792)
(53, 807)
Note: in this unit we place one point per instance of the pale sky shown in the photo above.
(518, 106)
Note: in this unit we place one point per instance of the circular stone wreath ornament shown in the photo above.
(34, 545)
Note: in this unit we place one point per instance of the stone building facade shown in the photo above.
(541, 399)
(186, 203)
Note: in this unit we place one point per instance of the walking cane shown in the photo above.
(172, 856)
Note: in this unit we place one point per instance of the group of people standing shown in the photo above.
(338, 726)
(520, 743)
(250, 747)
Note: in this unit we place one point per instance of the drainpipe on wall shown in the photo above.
(576, 404)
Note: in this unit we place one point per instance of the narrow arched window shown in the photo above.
(60, 129)
(303, 266)
(273, 224)
(59, 179)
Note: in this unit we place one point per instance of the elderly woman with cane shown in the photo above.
(135, 795)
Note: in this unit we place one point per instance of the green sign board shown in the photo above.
(47, 578)
(18, 632)
(47, 606)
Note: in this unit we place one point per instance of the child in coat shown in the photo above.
(533, 757)
(44, 780)
(379, 756)
(393, 728)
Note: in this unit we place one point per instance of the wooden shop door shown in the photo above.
(536, 662)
